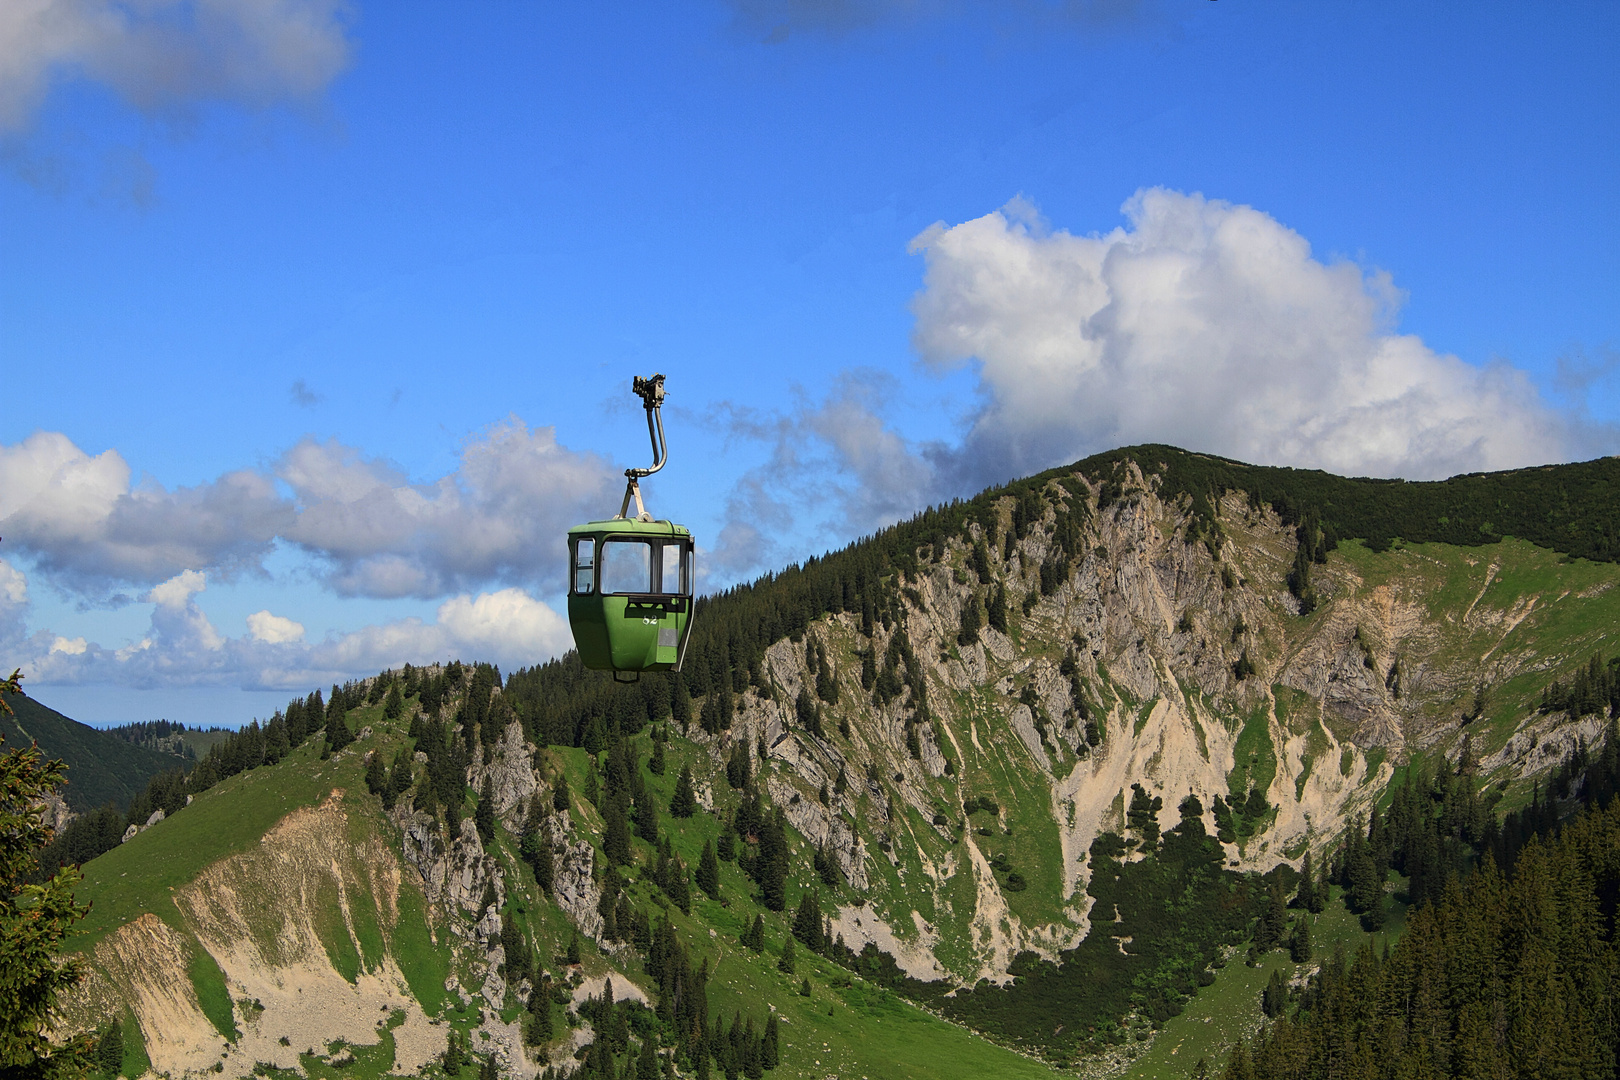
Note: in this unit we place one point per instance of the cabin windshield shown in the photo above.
(626, 566)
(646, 567)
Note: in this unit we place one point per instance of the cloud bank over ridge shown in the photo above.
(1200, 323)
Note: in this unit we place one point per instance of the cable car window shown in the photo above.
(585, 565)
(626, 566)
(671, 580)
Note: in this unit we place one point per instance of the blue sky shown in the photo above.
(317, 319)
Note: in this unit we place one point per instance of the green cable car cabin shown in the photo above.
(630, 578)
(630, 593)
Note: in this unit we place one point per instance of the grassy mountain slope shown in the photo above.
(984, 724)
(101, 768)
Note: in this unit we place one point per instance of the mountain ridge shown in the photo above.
(931, 742)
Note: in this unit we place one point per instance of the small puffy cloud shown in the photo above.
(84, 525)
(273, 629)
(178, 590)
(182, 648)
(1207, 325)
(69, 646)
(500, 515)
(13, 586)
(373, 531)
(162, 55)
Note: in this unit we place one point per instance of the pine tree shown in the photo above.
(1299, 941)
(708, 871)
(484, 816)
(785, 964)
(972, 620)
(754, 937)
(1274, 998)
(656, 764)
(1305, 898)
(31, 975)
(1268, 934)
(770, 1051)
(997, 614)
(683, 804)
(807, 922)
(338, 734)
(376, 774)
(616, 836)
(559, 793)
(110, 1048)
(394, 706)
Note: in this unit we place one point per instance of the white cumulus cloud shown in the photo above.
(182, 648)
(163, 54)
(273, 629)
(372, 530)
(1200, 323)
(1210, 326)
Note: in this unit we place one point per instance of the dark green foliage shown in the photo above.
(708, 871)
(770, 1048)
(754, 936)
(109, 1054)
(1299, 941)
(338, 732)
(1141, 817)
(1274, 998)
(1243, 667)
(807, 713)
(538, 1029)
(807, 922)
(616, 835)
(394, 705)
(827, 867)
(1594, 689)
(519, 958)
(455, 1056)
(996, 614)
(1507, 976)
(979, 562)
(646, 806)
(1179, 906)
(376, 774)
(34, 919)
(81, 840)
(559, 793)
(683, 803)
(785, 963)
(740, 766)
(484, 816)
(972, 620)
(536, 851)
(1574, 509)
(772, 862)
(1273, 921)
(106, 767)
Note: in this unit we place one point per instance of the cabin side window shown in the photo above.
(584, 560)
(627, 566)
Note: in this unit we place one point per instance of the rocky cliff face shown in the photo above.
(1163, 656)
(1153, 626)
